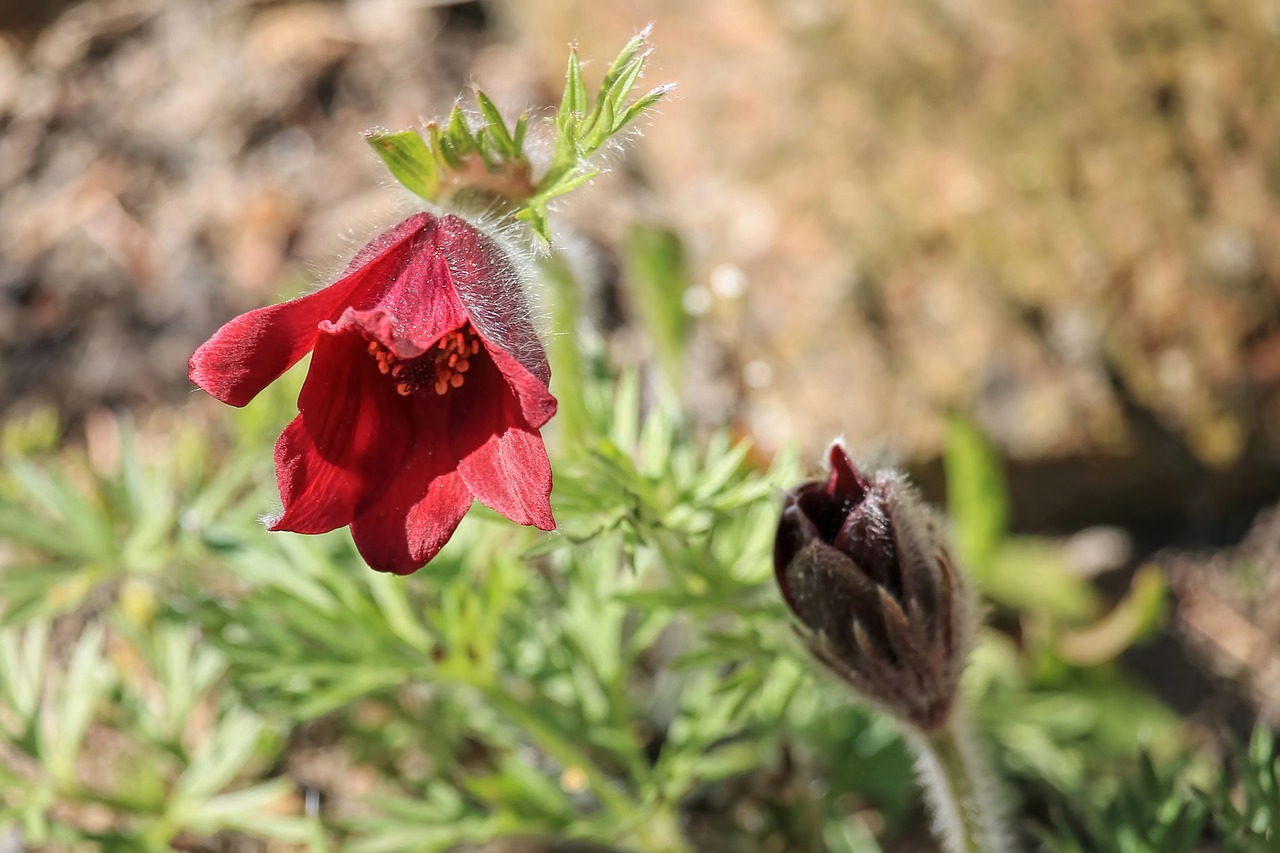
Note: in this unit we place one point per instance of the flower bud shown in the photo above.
(864, 566)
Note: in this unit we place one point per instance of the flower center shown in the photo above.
(442, 367)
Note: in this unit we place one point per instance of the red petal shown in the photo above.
(501, 457)
(845, 481)
(413, 314)
(251, 351)
(344, 446)
(537, 405)
(417, 307)
(511, 475)
(416, 514)
(489, 285)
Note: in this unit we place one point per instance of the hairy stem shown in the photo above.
(967, 814)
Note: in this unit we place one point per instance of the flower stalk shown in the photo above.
(967, 813)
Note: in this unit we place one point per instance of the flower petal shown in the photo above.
(416, 514)
(413, 314)
(500, 456)
(346, 443)
(510, 474)
(537, 405)
(251, 351)
(490, 287)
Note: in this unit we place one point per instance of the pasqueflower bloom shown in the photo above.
(427, 389)
(866, 570)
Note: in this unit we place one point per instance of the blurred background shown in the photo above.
(1060, 221)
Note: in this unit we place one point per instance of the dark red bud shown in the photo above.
(864, 567)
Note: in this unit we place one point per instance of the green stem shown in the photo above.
(967, 817)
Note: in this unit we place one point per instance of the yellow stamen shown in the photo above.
(441, 368)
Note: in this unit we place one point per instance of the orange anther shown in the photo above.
(456, 380)
(441, 386)
(402, 389)
(383, 367)
(462, 366)
(372, 348)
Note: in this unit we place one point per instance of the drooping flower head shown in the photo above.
(427, 389)
(864, 567)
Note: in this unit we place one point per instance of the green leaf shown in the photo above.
(251, 810)
(218, 759)
(574, 101)
(22, 669)
(976, 498)
(84, 684)
(535, 213)
(656, 272)
(390, 594)
(568, 373)
(643, 103)
(1034, 575)
(410, 161)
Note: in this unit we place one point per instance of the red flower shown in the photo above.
(427, 389)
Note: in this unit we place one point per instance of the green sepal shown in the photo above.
(522, 127)
(409, 160)
(459, 134)
(498, 133)
(443, 148)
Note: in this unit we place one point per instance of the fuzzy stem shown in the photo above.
(967, 815)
